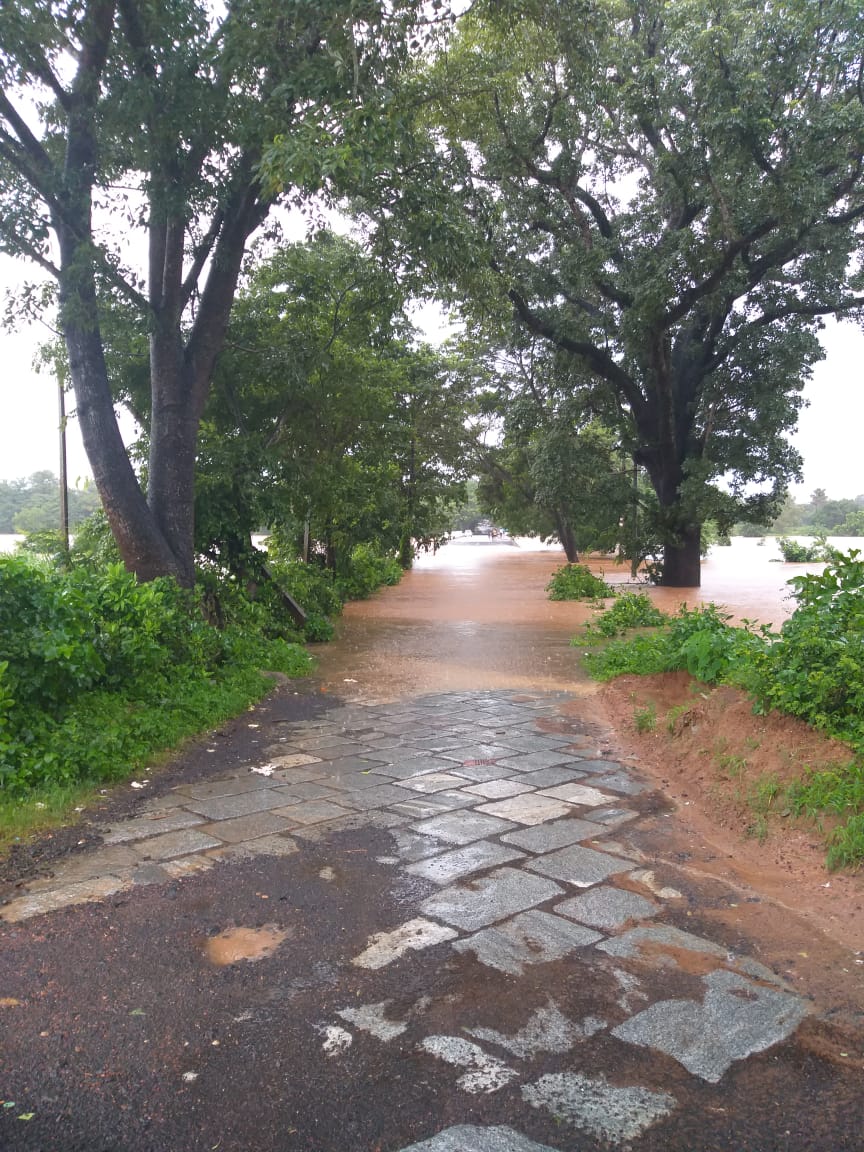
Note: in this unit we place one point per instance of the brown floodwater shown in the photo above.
(476, 616)
(235, 944)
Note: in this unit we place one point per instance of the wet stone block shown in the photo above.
(463, 827)
(489, 899)
(454, 865)
(555, 834)
(530, 808)
(175, 844)
(548, 758)
(607, 908)
(592, 1104)
(736, 1019)
(580, 866)
(532, 938)
(621, 782)
(470, 1138)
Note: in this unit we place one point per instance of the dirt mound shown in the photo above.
(725, 768)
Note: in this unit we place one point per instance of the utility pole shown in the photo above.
(64, 486)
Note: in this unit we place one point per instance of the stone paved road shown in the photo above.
(446, 939)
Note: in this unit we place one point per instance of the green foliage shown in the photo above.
(576, 582)
(366, 571)
(32, 505)
(645, 718)
(813, 669)
(794, 552)
(630, 610)
(688, 301)
(97, 672)
(698, 640)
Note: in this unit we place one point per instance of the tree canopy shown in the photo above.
(669, 193)
(134, 128)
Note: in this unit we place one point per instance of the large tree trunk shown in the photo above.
(565, 535)
(142, 546)
(682, 559)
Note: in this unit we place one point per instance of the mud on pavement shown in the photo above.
(440, 924)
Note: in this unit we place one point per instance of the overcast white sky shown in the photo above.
(829, 435)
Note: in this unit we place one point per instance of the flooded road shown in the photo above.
(432, 910)
(476, 616)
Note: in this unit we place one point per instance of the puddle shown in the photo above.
(235, 944)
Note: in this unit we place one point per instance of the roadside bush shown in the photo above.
(813, 668)
(97, 672)
(630, 610)
(367, 570)
(576, 582)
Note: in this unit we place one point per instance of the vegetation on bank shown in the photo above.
(100, 674)
(813, 668)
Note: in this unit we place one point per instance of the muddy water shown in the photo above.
(476, 616)
(236, 944)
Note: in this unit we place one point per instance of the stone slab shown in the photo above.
(498, 789)
(274, 845)
(476, 857)
(308, 790)
(530, 938)
(229, 807)
(70, 894)
(607, 908)
(530, 808)
(412, 846)
(554, 834)
(312, 812)
(654, 938)
(250, 782)
(142, 826)
(577, 793)
(368, 798)
(413, 936)
(528, 761)
(580, 866)
(463, 827)
(491, 898)
(470, 1138)
(621, 782)
(248, 827)
(479, 772)
(464, 753)
(549, 777)
(737, 1019)
(613, 816)
(591, 1103)
(172, 844)
(403, 768)
(431, 782)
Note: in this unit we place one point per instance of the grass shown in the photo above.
(645, 718)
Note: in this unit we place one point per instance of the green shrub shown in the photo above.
(630, 610)
(576, 582)
(367, 570)
(794, 552)
(97, 672)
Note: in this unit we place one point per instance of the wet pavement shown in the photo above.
(425, 923)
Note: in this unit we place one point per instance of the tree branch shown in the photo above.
(599, 360)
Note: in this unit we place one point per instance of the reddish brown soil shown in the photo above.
(709, 753)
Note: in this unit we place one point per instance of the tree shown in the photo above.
(557, 470)
(326, 415)
(122, 119)
(671, 194)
